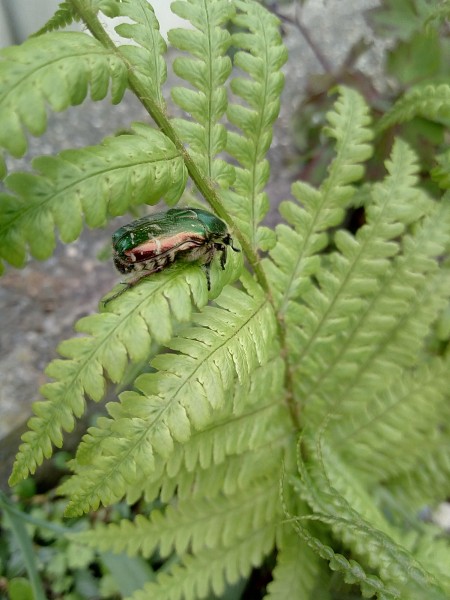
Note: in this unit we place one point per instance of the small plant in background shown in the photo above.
(295, 413)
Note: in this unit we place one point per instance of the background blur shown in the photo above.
(20, 18)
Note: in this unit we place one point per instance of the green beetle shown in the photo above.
(153, 243)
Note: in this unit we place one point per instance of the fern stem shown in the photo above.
(159, 115)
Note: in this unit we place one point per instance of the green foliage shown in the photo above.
(63, 17)
(55, 564)
(338, 336)
(122, 172)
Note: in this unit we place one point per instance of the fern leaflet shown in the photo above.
(147, 57)
(428, 101)
(64, 16)
(260, 57)
(57, 68)
(206, 72)
(395, 564)
(193, 524)
(294, 257)
(94, 183)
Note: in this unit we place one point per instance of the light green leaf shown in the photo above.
(89, 184)
(55, 69)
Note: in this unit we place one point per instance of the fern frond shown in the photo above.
(230, 341)
(261, 55)
(146, 57)
(359, 307)
(114, 336)
(351, 570)
(247, 427)
(211, 569)
(88, 184)
(64, 16)
(207, 70)
(427, 481)
(299, 572)
(441, 172)
(395, 565)
(194, 525)
(55, 69)
(428, 101)
(294, 258)
(377, 442)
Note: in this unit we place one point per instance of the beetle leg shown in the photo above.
(223, 257)
(117, 294)
(133, 282)
(207, 268)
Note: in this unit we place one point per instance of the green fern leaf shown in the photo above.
(147, 57)
(210, 570)
(195, 524)
(126, 330)
(93, 183)
(207, 72)
(354, 283)
(351, 570)
(54, 69)
(294, 258)
(441, 173)
(64, 16)
(428, 101)
(390, 333)
(395, 565)
(378, 443)
(427, 481)
(247, 427)
(230, 341)
(298, 570)
(261, 59)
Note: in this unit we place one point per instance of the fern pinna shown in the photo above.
(298, 409)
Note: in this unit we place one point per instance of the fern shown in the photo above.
(122, 172)
(324, 208)
(57, 69)
(260, 57)
(430, 101)
(63, 17)
(207, 72)
(338, 338)
(394, 563)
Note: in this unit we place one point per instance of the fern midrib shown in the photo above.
(24, 210)
(157, 415)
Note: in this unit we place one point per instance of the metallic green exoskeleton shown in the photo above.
(153, 243)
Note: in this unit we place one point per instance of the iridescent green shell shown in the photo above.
(153, 243)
